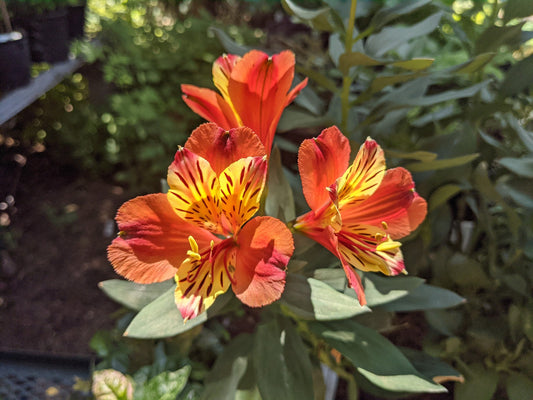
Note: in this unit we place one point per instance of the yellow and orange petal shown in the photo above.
(321, 161)
(222, 147)
(219, 203)
(394, 203)
(210, 105)
(241, 186)
(264, 247)
(153, 240)
(363, 177)
(203, 276)
(193, 187)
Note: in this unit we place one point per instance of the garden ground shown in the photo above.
(51, 303)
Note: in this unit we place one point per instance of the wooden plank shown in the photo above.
(17, 100)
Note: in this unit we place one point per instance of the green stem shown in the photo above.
(347, 80)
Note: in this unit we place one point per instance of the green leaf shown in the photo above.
(161, 318)
(229, 368)
(431, 367)
(391, 37)
(437, 115)
(441, 164)
(280, 200)
(466, 271)
(522, 166)
(318, 18)
(415, 155)
(386, 80)
(518, 78)
(295, 119)
(282, 366)
(385, 15)
(496, 36)
(380, 290)
(474, 64)
(229, 44)
(525, 136)
(109, 384)
(334, 277)
(425, 297)
(442, 195)
(374, 357)
(447, 95)
(519, 190)
(134, 295)
(484, 185)
(517, 9)
(415, 64)
(167, 385)
(480, 384)
(519, 387)
(319, 78)
(312, 299)
(355, 59)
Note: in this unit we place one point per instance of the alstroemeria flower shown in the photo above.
(202, 232)
(358, 211)
(255, 89)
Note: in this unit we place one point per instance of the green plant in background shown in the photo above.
(465, 131)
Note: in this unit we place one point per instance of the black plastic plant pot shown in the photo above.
(76, 21)
(48, 33)
(14, 61)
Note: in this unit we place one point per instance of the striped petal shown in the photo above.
(222, 69)
(394, 204)
(210, 105)
(193, 189)
(241, 186)
(321, 161)
(223, 147)
(203, 276)
(368, 248)
(363, 177)
(264, 247)
(152, 242)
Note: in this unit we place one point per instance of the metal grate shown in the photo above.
(24, 377)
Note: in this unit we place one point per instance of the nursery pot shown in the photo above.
(48, 33)
(14, 61)
(76, 21)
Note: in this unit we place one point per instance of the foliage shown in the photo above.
(126, 109)
(462, 123)
(438, 87)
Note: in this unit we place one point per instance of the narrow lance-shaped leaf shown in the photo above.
(229, 368)
(134, 295)
(374, 357)
(425, 297)
(442, 195)
(312, 299)
(282, 366)
(385, 15)
(441, 164)
(522, 166)
(161, 317)
(391, 37)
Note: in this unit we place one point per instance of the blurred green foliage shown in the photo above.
(443, 87)
(122, 115)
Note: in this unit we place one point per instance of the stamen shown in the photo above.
(384, 225)
(386, 246)
(193, 253)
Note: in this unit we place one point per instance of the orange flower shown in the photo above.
(359, 210)
(255, 90)
(201, 231)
